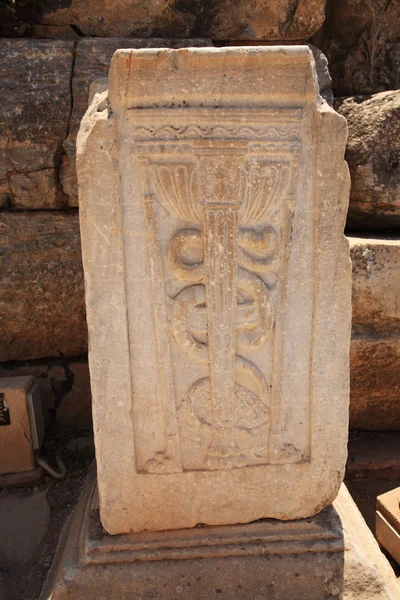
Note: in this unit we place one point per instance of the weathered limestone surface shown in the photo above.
(375, 347)
(223, 20)
(41, 282)
(373, 155)
(34, 112)
(374, 383)
(376, 284)
(212, 213)
(93, 57)
(361, 39)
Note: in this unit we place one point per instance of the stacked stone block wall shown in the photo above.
(49, 60)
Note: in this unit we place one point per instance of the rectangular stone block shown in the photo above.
(372, 153)
(388, 522)
(213, 198)
(374, 383)
(42, 291)
(376, 284)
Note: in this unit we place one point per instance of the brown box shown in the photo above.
(19, 437)
(388, 522)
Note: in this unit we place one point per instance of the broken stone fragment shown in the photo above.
(224, 20)
(373, 155)
(361, 39)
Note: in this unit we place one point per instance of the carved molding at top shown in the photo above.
(169, 132)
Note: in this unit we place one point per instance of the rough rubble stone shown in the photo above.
(373, 155)
(41, 282)
(93, 57)
(35, 105)
(195, 283)
(222, 20)
(361, 39)
(376, 284)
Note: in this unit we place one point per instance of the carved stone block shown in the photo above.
(213, 197)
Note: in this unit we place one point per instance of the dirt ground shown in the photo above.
(33, 517)
(22, 577)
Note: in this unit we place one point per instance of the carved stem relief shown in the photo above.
(228, 196)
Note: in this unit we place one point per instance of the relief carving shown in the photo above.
(213, 194)
(227, 260)
(168, 132)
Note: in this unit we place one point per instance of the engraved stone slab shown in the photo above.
(213, 196)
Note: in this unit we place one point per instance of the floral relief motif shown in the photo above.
(229, 194)
(224, 419)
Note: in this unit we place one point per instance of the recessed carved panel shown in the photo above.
(213, 197)
(227, 201)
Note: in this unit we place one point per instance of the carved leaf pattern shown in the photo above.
(177, 189)
(264, 185)
(225, 414)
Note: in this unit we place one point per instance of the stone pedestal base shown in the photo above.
(331, 555)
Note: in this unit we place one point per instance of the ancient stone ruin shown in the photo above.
(213, 193)
(203, 181)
